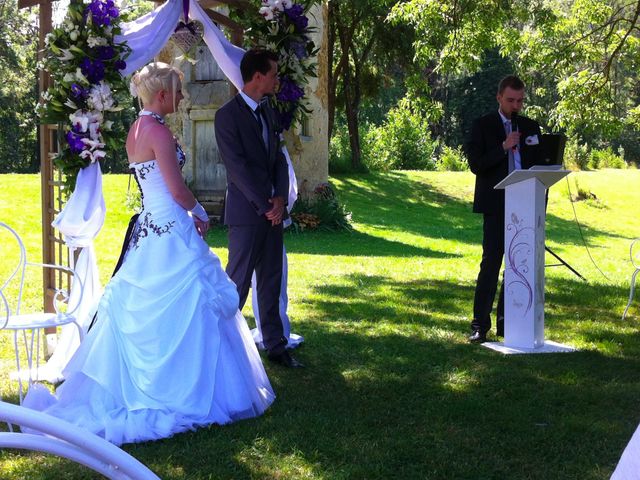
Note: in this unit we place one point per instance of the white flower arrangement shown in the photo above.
(85, 64)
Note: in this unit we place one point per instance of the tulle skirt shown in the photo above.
(169, 351)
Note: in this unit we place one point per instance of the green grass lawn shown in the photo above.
(392, 389)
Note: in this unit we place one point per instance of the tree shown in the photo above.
(18, 90)
(363, 53)
(579, 57)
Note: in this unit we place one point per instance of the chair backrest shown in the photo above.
(13, 258)
(69, 441)
(4, 311)
(634, 253)
(15, 277)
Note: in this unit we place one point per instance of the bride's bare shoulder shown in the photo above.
(144, 137)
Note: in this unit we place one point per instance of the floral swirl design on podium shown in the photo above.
(517, 259)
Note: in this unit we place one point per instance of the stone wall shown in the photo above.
(308, 145)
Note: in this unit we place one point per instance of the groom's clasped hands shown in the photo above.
(276, 212)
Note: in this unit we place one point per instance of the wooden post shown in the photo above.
(237, 37)
(46, 133)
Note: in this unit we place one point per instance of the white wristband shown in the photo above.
(199, 212)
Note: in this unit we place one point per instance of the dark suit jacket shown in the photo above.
(255, 173)
(490, 162)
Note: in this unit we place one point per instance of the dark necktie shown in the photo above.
(262, 124)
(258, 114)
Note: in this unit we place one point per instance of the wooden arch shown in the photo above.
(54, 250)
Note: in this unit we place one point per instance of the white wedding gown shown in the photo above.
(169, 351)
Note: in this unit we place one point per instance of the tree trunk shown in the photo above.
(332, 80)
(351, 110)
(354, 136)
(340, 32)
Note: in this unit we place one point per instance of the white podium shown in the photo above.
(524, 225)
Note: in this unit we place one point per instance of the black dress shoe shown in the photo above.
(478, 337)
(284, 359)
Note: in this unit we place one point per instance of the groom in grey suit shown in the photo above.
(257, 187)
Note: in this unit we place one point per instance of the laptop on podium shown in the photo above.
(552, 148)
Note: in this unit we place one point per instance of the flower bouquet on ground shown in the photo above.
(283, 27)
(323, 211)
(84, 63)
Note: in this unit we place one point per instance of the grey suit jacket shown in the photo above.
(255, 172)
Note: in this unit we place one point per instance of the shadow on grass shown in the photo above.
(381, 199)
(392, 406)
(367, 297)
(352, 243)
(394, 397)
(397, 202)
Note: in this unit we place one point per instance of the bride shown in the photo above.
(169, 351)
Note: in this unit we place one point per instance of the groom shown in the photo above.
(257, 188)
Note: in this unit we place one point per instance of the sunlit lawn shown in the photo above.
(392, 389)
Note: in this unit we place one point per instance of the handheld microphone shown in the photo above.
(514, 127)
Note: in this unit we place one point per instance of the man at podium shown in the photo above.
(500, 142)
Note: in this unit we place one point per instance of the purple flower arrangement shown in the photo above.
(289, 91)
(78, 92)
(75, 141)
(297, 17)
(93, 70)
(103, 13)
(85, 64)
(284, 28)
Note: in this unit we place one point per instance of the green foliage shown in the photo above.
(323, 212)
(340, 155)
(606, 158)
(467, 97)
(454, 34)
(576, 155)
(18, 90)
(375, 107)
(340, 151)
(579, 156)
(452, 159)
(364, 58)
(402, 142)
(579, 58)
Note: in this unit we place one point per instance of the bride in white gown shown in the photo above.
(169, 351)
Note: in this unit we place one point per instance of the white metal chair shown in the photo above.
(69, 441)
(11, 316)
(635, 261)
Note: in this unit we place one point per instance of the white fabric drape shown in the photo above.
(148, 34)
(83, 215)
(79, 222)
(226, 54)
(628, 467)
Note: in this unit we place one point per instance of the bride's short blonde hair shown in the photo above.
(154, 77)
